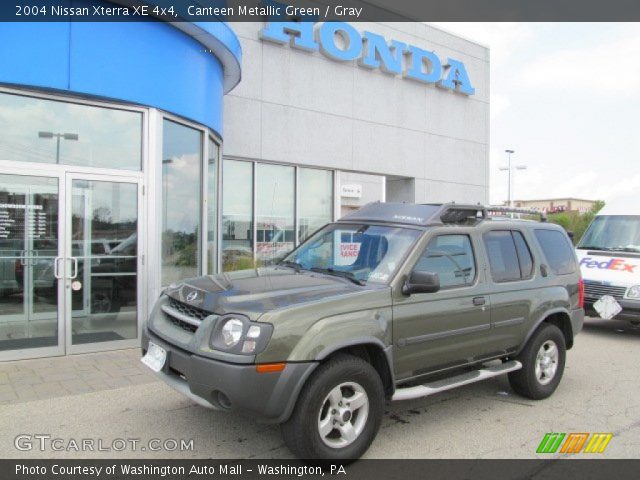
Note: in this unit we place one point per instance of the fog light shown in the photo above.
(223, 400)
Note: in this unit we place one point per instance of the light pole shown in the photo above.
(58, 136)
(509, 168)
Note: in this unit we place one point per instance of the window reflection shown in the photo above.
(237, 216)
(212, 205)
(315, 200)
(274, 212)
(104, 244)
(275, 204)
(49, 131)
(181, 201)
(28, 247)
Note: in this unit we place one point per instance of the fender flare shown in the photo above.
(539, 322)
(358, 341)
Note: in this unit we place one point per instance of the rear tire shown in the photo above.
(338, 412)
(543, 360)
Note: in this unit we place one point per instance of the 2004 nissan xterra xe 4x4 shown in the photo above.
(392, 302)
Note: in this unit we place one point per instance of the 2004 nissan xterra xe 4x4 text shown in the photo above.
(392, 302)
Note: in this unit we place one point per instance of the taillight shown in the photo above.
(581, 293)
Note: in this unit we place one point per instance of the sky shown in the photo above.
(566, 98)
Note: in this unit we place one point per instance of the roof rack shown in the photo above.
(522, 211)
(427, 214)
(431, 214)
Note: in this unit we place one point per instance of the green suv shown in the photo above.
(392, 302)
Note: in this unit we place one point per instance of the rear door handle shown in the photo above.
(478, 301)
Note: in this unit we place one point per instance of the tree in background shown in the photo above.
(576, 222)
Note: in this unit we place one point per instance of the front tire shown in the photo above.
(338, 413)
(543, 360)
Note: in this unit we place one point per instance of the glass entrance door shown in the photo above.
(30, 259)
(102, 245)
(69, 263)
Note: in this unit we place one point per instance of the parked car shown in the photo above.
(392, 302)
(10, 261)
(112, 274)
(609, 255)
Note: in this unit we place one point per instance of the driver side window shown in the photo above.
(451, 257)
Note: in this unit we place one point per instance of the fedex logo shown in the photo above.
(613, 264)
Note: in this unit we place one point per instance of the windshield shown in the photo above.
(365, 253)
(613, 232)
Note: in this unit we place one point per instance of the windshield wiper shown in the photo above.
(295, 265)
(626, 249)
(590, 247)
(339, 273)
(610, 249)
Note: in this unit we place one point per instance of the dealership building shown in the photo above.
(133, 155)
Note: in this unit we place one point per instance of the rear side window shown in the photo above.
(524, 254)
(558, 251)
(509, 255)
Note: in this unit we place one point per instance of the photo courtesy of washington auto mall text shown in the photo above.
(360, 239)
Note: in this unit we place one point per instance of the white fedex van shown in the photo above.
(609, 255)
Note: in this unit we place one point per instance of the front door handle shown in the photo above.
(479, 301)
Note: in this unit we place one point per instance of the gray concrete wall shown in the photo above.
(298, 107)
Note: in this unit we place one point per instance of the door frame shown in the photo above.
(70, 176)
(58, 349)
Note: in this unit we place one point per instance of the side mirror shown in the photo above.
(421, 282)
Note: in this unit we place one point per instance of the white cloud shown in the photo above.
(503, 38)
(606, 68)
(499, 103)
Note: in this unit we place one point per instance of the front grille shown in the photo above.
(594, 291)
(183, 325)
(188, 310)
(195, 314)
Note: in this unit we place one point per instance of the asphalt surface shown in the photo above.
(600, 392)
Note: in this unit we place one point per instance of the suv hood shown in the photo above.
(254, 292)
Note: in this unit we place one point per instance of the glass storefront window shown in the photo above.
(275, 196)
(212, 205)
(56, 132)
(315, 200)
(276, 209)
(237, 215)
(181, 201)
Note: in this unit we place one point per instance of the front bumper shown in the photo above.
(268, 397)
(630, 309)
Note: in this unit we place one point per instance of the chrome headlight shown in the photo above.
(634, 292)
(237, 334)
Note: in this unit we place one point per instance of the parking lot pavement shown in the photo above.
(600, 392)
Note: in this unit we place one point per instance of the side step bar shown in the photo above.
(438, 386)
